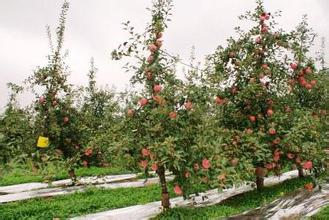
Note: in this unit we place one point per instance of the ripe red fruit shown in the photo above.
(54, 103)
(272, 131)
(187, 174)
(252, 118)
(309, 187)
(258, 40)
(157, 88)
(308, 165)
(158, 43)
(150, 59)
(308, 86)
(269, 166)
(65, 119)
(290, 156)
(173, 115)
(276, 157)
(42, 100)
(145, 152)
(143, 101)
(265, 66)
(219, 100)
(249, 131)
(267, 16)
(262, 17)
(149, 75)
(302, 81)
(130, 112)
(152, 48)
(264, 29)
(196, 167)
(154, 167)
(270, 112)
(276, 141)
(188, 105)
(234, 162)
(308, 70)
(88, 152)
(178, 190)
(205, 164)
(293, 66)
(313, 82)
(159, 35)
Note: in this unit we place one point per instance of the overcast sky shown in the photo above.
(94, 29)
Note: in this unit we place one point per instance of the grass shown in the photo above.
(237, 204)
(323, 214)
(91, 201)
(18, 176)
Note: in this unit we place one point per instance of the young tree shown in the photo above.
(167, 125)
(56, 116)
(252, 76)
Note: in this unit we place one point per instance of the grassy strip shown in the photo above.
(19, 176)
(322, 214)
(237, 204)
(91, 201)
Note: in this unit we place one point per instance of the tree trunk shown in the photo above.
(300, 171)
(259, 183)
(164, 190)
(73, 176)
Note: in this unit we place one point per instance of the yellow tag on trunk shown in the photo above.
(43, 142)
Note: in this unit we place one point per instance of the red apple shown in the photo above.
(219, 100)
(65, 119)
(290, 156)
(154, 167)
(308, 70)
(130, 112)
(42, 99)
(157, 88)
(293, 66)
(158, 43)
(54, 103)
(187, 174)
(143, 164)
(143, 101)
(205, 164)
(264, 66)
(258, 40)
(264, 29)
(178, 190)
(276, 141)
(249, 131)
(309, 187)
(270, 112)
(188, 105)
(173, 115)
(196, 167)
(252, 118)
(145, 152)
(153, 48)
(234, 162)
(308, 165)
(159, 35)
(308, 86)
(272, 131)
(313, 82)
(150, 59)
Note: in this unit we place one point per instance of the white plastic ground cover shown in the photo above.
(210, 197)
(50, 192)
(293, 206)
(83, 180)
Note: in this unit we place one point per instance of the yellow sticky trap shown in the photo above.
(43, 142)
